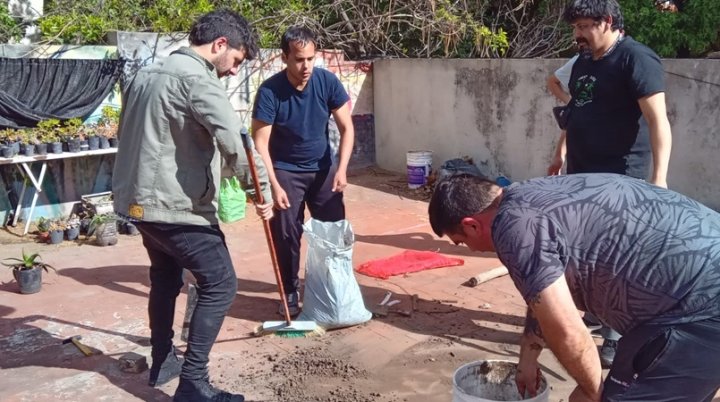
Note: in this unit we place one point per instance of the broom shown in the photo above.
(287, 328)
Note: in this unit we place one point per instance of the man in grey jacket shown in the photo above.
(176, 125)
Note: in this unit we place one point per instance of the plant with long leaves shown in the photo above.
(28, 261)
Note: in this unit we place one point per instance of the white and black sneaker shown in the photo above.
(293, 300)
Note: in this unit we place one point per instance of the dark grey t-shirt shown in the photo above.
(632, 253)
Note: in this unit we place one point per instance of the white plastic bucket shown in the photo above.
(419, 165)
(491, 380)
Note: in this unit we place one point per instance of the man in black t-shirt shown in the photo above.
(617, 112)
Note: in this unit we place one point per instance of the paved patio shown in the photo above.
(101, 294)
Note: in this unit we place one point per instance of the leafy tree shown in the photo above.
(689, 32)
(10, 28)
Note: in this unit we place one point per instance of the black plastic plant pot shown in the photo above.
(93, 142)
(56, 147)
(30, 280)
(56, 236)
(41, 149)
(104, 143)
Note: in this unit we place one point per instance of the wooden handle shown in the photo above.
(486, 276)
(266, 224)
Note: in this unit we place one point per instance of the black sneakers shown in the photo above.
(293, 300)
(164, 371)
(202, 391)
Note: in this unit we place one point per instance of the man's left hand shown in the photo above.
(264, 211)
(578, 395)
(340, 182)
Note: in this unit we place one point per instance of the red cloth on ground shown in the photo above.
(407, 261)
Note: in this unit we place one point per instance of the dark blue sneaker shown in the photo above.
(293, 300)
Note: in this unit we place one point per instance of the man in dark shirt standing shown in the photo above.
(617, 113)
(643, 259)
(290, 128)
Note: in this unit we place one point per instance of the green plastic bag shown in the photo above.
(231, 205)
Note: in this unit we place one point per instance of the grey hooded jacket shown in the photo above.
(176, 125)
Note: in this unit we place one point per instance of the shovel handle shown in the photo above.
(266, 224)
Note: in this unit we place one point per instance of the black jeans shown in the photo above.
(202, 251)
(315, 189)
(666, 363)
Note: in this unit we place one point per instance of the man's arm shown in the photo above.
(531, 345)
(555, 88)
(347, 139)
(654, 112)
(261, 137)
(567, 337)
(559, 158)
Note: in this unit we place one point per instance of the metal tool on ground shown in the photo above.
(486, 276)
(86, 350)
(288, 327)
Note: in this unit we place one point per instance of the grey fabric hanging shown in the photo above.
(32, 90)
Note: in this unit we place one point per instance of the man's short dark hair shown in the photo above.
(595, 9)
(458, 197)
(228, 24)
(297, 34)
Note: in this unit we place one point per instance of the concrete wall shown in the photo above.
(498, 112)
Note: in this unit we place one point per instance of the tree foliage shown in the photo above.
(388, 28)
(689, 32)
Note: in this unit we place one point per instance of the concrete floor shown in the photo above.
(101, 294)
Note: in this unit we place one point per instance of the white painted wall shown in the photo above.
(498, 112)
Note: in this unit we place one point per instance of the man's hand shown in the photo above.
(556, 166)
(280, 197)
(264, 211)
(340, 181)
(578, 395)
(528, 377)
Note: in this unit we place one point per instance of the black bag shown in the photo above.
(562, 115)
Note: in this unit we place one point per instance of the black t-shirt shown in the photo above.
(606, 131)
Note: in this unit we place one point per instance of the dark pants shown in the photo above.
(201, 250)
(315, 189)
(666, 363)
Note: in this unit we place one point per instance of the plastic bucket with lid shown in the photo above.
(491, 380)
(419, 165)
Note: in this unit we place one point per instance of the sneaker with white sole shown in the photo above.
(293, 300)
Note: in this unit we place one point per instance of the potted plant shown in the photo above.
(8, 136)
(48, 133)
(57, 231)
(108, 125)
(43, 228)
(72, 227)
(72, 134)
(27, 141)
(104, 227)
(28, 271)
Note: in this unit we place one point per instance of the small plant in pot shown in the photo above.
(104, 227)
(71, 132)
(72, 227)
(108, 124)
(27, 271)
(43, 228)
(57, 232)
(48, 133)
